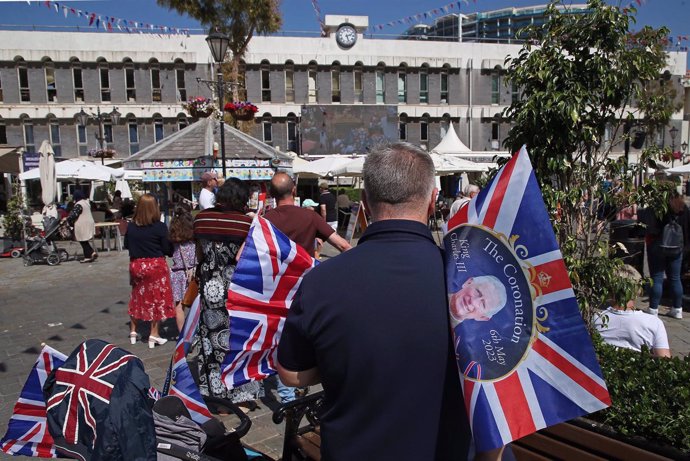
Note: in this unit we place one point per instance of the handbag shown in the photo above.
(192, 285)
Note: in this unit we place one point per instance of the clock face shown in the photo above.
(346, 36)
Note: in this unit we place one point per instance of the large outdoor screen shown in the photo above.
(354, 129)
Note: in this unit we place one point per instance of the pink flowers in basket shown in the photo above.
(242, 106)
(199, 107)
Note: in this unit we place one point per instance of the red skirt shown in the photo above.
(151, 292)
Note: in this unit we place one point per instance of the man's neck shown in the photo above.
(285, 201)
(209, 188)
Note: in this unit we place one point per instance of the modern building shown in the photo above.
(47, 78)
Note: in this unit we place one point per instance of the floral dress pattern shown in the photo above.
(184, 260)
(215, 269)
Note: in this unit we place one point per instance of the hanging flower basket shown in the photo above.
(199, 107)
(101, 153)
(244, 110)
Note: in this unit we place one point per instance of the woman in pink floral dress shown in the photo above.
(148, 245)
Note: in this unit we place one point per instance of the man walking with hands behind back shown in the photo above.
(327, 205)
(372, 325)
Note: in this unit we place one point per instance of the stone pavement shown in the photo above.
(66, 304)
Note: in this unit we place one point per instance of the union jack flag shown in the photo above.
(556, 376)
(27, 432)
(179, 381)
(83, 384)
(261, 291)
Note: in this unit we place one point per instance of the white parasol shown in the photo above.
(46, 168)
(77, 169)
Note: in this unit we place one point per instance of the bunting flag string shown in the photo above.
(445, 9)
(109, 23)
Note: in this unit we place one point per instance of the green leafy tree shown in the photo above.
(588, 84)
(12, 221)
(239, 19)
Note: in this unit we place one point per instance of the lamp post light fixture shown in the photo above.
(673, 132)
(219, 43)
(83, 118)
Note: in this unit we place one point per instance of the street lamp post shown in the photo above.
(673, 132)
(218, 43)
(83, 117)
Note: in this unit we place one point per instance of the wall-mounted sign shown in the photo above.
(194, 174)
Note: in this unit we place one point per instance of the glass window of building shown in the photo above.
(495, 88)
(55, 136)
(3, 132)
(23, 76)
(335, 83)
(424, 85)
(1, 96)
(29, 142)
(312, 90)
(495, 134)
(133, 129)
(104, 74)
(444, 125)
(156, 82)
(81, 140)
(182, 121)
(265, 81)
(292, 132)
(402, 85)
(444, 86)
(51, 88)
(180, 83)
(267, 129)
(108, 131)
(289, 82)
(402, 127)
(357, 76)
(515, 92)
(380, 86)
(158, 132)
(130, 87)
(424, 128)
(77, 82)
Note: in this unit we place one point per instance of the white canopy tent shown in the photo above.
(322, 167)
(444, 165)
(678, 170)
(451, 144)
(77, 169)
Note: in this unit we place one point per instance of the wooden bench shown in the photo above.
(565, 441)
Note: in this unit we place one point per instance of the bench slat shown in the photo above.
(557, 450)
(524, 454)
(310, 444)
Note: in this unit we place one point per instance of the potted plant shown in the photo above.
(243, 110)
(199, 107)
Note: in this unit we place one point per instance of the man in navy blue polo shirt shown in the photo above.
(372, 325)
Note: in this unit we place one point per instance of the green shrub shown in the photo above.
(651, 396)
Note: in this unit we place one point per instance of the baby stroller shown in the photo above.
(42, 247)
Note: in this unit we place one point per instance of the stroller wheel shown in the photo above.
(64, 255)
(16, 253)
(28, 261)
(53, 259)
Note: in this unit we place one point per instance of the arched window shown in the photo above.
(130, 87)
(402, 127)
(313, 94)
(28, 131)
(54, 131)
(133, 130)
(380, 83)
(267, 128)
(424, 129)
(77, 80)
(335, 82)
(292, 144)
(444, 83)
(402, 83)
(496, 85)
(496, 132)
(180, 80)
(3, 132)
(51, 88)
(158, 132)
(289, 81)
(357, 77)
(424, 84)
(23, 77)
(104, 77)
(182, 121)
(82, 146)
(155, 80)
(265, 81)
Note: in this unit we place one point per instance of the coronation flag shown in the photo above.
(27, 433)
(525, 357)
(261, 291)
(179, 380)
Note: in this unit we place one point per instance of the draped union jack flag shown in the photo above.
(80, 385)
(27, 432)
(261, 291)
(179, 380)
(529, 363)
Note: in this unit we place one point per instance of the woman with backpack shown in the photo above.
(666, 240)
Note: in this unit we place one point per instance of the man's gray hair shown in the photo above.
(398, 173)
(469, 189)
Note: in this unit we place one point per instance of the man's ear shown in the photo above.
(364, 200)
(432, 202)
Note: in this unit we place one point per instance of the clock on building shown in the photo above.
(346, 35)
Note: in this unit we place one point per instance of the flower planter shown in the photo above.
(200, 113)
(242, 114)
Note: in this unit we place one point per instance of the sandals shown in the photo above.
(133, 336)
(153, 340)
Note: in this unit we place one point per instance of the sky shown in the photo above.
(299, 15)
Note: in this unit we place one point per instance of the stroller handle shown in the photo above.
(217, 404)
